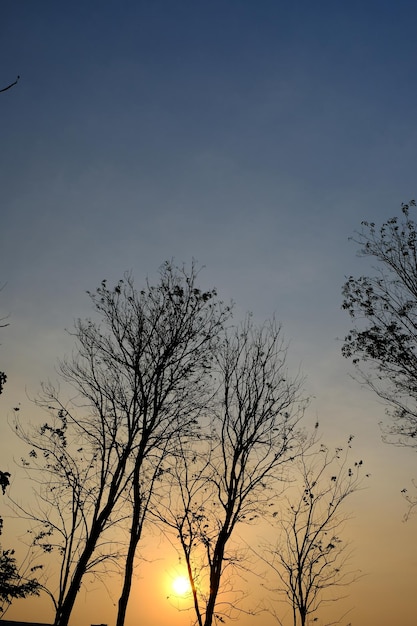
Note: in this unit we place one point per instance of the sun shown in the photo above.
(181, 585)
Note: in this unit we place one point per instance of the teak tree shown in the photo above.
(140, 377)
(229, 478)
(310, 557)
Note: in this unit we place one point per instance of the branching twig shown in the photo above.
(11, 85)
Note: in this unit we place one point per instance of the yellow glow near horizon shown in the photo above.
(181, 585)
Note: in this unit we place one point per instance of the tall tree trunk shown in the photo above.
(135, 534)
(63, 613)
(215, 576)
(194, 590)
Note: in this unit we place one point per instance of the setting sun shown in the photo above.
(181, 585)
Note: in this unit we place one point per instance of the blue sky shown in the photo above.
(252, 136)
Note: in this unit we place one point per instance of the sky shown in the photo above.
(251, 136)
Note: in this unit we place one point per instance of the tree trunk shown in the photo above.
(63, 613)
(215, 576)
(135, 534)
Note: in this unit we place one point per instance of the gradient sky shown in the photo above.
(251, 136)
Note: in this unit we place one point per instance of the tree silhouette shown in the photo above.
(228, 480)
(140, 375)
(383, 342)
(4, 476)
(13, 584)
(310, 557)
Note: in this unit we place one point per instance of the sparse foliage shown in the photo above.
(13, 584)
(3, 376)
(229, 478)
(383, 342)
(310, 557)
(384, 309)
(66, 472)
(141, 380)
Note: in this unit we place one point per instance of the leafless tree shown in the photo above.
(67, 479)
(228, 480)
(140, 377)
(310, 558)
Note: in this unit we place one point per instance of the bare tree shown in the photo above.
(228, 480)
(310, 557)
(68, 478)
(141, 383)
